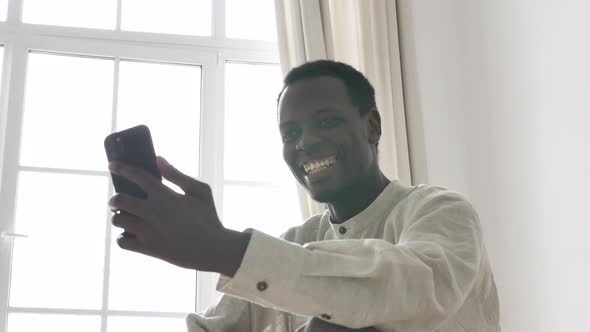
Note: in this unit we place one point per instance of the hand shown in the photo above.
(318, 325)
(182, 229)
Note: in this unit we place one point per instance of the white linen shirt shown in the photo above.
(413, 261)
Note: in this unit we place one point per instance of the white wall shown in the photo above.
(498, 101)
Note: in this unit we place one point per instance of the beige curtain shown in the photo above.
(362, 33)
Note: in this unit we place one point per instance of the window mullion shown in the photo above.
(211, 159)
(15, 12)
(218, 19)
(112, 313)
(119, 14)
(107, 253)
(15, 73)
(254, 184)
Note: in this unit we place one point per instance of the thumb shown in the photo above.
(162, 164)
(189, 185)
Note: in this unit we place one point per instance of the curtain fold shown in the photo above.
(362, 33)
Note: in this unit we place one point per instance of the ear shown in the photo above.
(373, 126)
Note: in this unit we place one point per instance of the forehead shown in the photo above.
(306, 97)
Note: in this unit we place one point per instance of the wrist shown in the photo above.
(232, 247)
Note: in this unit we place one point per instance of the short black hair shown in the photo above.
(360, 90)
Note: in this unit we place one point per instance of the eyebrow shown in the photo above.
(316, 113)
(286, 124)
(325, 110)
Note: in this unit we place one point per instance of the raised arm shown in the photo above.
(413, 284)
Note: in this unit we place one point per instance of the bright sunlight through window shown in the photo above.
(203, 75)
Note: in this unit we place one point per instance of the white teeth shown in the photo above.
(316, 166)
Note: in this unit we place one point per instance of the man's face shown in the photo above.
(326, 141)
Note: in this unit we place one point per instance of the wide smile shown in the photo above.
(314, 168)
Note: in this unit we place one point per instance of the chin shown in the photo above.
(323, 197)
(334, 192)
(327, 196)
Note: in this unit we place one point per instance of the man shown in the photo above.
(383, 256)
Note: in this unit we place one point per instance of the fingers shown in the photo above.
(134, 235)
(189, 185)
(129, 223)
(129, 243)
(142, 178)
(162, 164)
(128, 203)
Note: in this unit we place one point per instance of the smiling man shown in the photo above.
(383, 256)
(330, 136)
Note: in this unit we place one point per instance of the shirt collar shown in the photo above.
(381, 205)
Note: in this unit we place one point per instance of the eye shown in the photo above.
(289, 135)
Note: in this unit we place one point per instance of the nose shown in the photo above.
(306, 142)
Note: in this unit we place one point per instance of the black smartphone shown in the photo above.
(132, 146)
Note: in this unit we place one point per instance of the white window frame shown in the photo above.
(209, 52)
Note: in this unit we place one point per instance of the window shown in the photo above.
(253, 167)
(76, 70)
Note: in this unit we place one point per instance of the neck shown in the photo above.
(357, 199)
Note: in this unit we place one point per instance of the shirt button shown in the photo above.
(342, 230)
(262, 286)
(326, 317)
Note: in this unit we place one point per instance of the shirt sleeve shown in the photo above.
(231, 314)
(228, 314)
(414, 284)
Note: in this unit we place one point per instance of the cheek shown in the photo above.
(288, 154)
(357, 152)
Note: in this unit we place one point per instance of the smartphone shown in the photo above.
(132, 146)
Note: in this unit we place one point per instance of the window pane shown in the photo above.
(253, 19)
(145, 324)
(185, 17)
(68, 108)
(63, 323)
(60, 264)
(1, 60)
(253, 147)
(3, 9)
(271, 210)
(143, 283)
(98, 14)
(167, 98)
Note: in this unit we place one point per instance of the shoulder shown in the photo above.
(305, 232)
(430, 213)
(424, 196)
(425, 200)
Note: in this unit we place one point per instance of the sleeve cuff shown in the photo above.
(263, 276)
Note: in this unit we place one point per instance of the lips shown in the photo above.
(313, 167)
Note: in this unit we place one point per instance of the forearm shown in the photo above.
(416, 280)
(358, 283)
